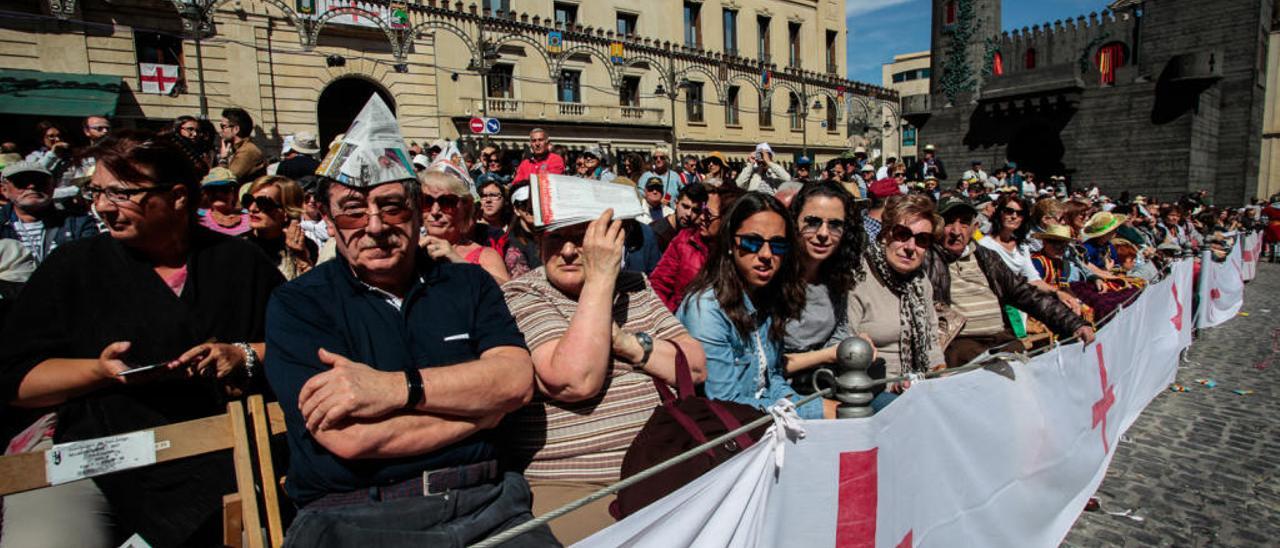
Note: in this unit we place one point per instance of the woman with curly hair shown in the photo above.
(831, 245)
(739, 305)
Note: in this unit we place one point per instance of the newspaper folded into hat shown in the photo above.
(371, 153)
(562, 200)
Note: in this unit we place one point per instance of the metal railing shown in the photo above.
(522, 108)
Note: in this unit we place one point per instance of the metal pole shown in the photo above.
(803, 111)
(204, 100)
(671, 94)
(484, 80)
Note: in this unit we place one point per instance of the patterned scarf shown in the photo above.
(914, 338)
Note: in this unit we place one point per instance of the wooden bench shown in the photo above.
(242, 524)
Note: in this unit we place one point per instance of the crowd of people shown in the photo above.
(449, 368)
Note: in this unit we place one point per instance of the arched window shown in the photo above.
(997, 64)
(1029, 59)
(1110, 57)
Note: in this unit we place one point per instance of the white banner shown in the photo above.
(976, 459)
(358, 13)
(1250, 255)
(1221, 287)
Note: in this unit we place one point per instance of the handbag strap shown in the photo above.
(684, 380)
(730, 423)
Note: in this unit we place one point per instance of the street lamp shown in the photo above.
(804, 118)
(671, 95)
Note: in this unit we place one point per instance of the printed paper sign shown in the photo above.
(67, 462)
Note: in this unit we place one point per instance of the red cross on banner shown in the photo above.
(1215, 294)
(1248, 255)
(1177, 316)
(858, 491)
(157, 78)
(1102, 406)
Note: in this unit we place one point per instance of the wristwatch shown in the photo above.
(646, 344)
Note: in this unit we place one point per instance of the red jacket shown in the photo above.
(530, 166)
(682, 261)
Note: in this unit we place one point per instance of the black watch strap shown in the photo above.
(413, 378)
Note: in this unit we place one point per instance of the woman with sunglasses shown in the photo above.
(1008, 238)
(830, 262)
(894, 304)
(448, 211)
(274, 204)
(739, 305)
(687, 253)
(182, 307)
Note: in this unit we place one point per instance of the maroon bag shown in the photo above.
(682, 422)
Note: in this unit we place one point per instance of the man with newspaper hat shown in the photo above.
(392, 368)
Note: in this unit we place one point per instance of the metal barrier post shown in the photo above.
(853, 384)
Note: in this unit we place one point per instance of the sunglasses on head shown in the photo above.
(447, 201)
(265, 204)
(902, 234)
(752, 243)
(814, 224)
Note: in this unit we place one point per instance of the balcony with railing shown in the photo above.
(555, 110)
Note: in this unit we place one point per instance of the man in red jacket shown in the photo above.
(540, 156)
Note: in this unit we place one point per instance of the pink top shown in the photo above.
(177, 280)
(206, 220)
(474, 256)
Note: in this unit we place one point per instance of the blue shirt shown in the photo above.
(733, 362)
(670, 183)
(871, 225)
(1097, 254)
(452, 314)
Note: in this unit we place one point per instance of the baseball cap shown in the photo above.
(24, 167)
(218, 176)
(520, 194)
(652, 183)
(804, 161)
(954, 203)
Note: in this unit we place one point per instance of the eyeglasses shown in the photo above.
(100, 128)
(1017, 212)
(706, 212)
(118, 195)
(902, 234)
(389, 214)
(487, 196)
(447, 201)
(752, 243)
(265, 204)
(814, 224)
(189, 129)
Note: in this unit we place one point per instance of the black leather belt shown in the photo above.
(431, 483)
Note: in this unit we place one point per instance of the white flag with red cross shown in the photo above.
(986, 458)
(157, 78)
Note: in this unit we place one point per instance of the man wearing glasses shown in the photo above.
(96, 129)
(391, 369)
(30, 216)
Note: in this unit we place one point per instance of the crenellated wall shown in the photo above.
(1062, 42)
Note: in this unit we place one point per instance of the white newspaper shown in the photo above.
(371, 153)
(562, 200)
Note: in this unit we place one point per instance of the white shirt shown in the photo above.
(1018, 260)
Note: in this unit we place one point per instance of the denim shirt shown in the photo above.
(733, 365)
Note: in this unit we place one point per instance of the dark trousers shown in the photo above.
(458, 518)
(963, 349)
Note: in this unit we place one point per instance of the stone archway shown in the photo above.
(1037, 145)
(341, 101)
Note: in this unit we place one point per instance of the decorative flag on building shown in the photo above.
(839, 93)
(157, 78)
(399, 16)
(616, 53)
(766, 77)
(306, 7)
(555, 42)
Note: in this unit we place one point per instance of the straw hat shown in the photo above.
(1100, 224)
(1058, 233)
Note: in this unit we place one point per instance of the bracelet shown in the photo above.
(417, 392)
(250, 359)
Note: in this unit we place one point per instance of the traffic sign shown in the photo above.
(477, 125)
(492, 126)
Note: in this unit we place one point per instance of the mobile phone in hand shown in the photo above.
(142, 369)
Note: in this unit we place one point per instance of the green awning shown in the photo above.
(58, 94)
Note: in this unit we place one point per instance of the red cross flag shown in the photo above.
(157, 78)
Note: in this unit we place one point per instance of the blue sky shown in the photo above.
(880, 29)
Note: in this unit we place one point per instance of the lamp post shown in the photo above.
(804, 109)
(671, 95)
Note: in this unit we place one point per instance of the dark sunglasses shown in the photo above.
(814, 224)
(901, 233)
(447, 201)
(265, 204)
(1018, 212)
(391, 214)
(752, 243)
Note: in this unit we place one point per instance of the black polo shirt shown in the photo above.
(452, 314)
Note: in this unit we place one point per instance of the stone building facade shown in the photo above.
(592, 72)
(1155, 98)
(908, 75)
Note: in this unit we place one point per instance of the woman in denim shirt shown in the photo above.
(739, 305)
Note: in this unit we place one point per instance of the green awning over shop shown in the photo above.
(58, 94)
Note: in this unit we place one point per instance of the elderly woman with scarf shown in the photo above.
(894, 305)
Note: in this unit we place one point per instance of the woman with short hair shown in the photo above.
(894, 304)
(739, 305)
(149, 324)
(448, 216)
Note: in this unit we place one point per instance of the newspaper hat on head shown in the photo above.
(372, 151)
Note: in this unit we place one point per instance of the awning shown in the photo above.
(58, 94)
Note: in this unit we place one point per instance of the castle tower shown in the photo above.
(960, 31)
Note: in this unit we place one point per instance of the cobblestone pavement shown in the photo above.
(1202, 468)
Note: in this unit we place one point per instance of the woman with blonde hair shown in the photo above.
(448, 217)
(274, 204)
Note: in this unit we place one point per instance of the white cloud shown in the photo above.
(854, 8)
